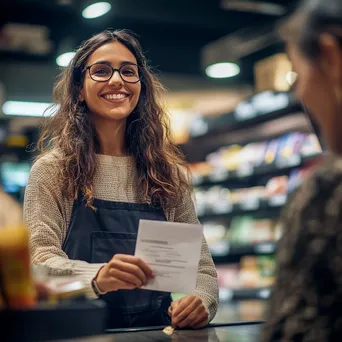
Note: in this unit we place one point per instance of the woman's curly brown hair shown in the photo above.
(161, 167)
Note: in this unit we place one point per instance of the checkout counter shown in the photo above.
(85, 322)
(238, 332)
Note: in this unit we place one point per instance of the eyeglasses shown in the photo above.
(103, 72)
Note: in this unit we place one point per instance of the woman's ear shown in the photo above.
(81, 95)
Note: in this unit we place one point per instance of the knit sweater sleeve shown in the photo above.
(46, 217)
(206, 285)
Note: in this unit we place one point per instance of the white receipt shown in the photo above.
(173, 252)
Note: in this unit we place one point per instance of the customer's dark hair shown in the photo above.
(160, 165)
(310, 20)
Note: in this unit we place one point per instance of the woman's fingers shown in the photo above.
(122, 285)
(123, 272)
(130, 259)
(134, 270)
(126, 277)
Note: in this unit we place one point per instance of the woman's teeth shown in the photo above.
(114, 96)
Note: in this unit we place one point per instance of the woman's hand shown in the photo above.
(123, 272)
(189, 312)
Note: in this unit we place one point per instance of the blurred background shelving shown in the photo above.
(241, 187)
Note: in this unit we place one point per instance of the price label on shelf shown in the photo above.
(219, 248)
(292, 161)
(277, 200)
(218, 175)
(250, 204)
(222, 207)
(226, 295)
(264, 293)
(245, 170)
(265, 248)
(197, 179)
(245, 111)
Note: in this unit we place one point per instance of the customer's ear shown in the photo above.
(331, 59)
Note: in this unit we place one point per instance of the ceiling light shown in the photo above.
(64, 59)
(22, 108)
(291, 77)
(96, 10)
(222, 70)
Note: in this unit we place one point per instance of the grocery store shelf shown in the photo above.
(269, 208)
(223, 253)
(247, 114)
(227, 295)
(248, 172)
(293, 122)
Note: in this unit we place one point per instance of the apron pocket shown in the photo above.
(105, 245)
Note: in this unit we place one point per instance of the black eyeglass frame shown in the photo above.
(140, 74)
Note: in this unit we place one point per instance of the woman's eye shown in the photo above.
(128, 72)
(101, 72)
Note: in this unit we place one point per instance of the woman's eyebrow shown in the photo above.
(122, 63)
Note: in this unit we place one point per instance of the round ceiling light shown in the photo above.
(222, 70)
(64, 59)
(291, 77)
(96, 10)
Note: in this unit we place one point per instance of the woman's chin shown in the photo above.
(113, 115)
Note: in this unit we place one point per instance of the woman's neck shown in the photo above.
(111, 136)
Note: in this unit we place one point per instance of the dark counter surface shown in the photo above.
(240, 332)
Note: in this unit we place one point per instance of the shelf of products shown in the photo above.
(251, 278)
(244, 235)
(218, 200)
(227, 253)
(236, 162)
(259, 108)
(263, 293)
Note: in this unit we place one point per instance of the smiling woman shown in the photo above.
(106, 162)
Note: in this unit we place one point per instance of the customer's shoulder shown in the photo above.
(327, 175)
(320, 186)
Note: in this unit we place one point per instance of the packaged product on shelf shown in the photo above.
(252, 197)
(228, 276)
(276, 191)
(15, 268)
(201, 201)
(237, 196)
(225, 158)
(252, 310)
(263, 230)
(214, 232)
(240, 230)
(271, 152)
(249, 272)
(267, 269)
(218, 200)
(251, 156)
(230, 157)
(289, 149)
(199, 171)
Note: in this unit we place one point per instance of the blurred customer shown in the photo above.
(107, 161)
(307, 300)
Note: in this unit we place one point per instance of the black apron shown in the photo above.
(95, 236)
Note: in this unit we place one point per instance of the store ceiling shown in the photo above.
(173, 34)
